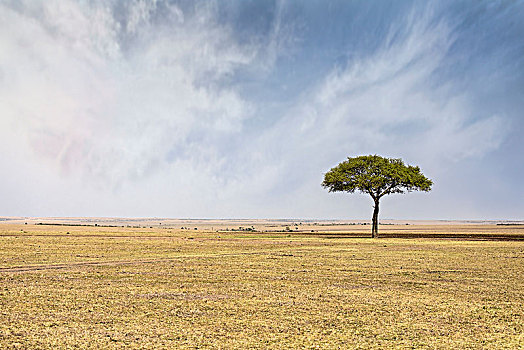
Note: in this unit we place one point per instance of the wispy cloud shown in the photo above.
(114, 98)
(388, 101)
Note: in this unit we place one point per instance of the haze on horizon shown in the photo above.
(212, 109)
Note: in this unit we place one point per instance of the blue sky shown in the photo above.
(236, 109)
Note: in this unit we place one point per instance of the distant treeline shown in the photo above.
(97, 225)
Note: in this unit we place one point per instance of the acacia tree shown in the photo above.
(376, 176)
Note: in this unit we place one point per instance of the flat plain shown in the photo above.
(259, 284)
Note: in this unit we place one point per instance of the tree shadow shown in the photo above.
(451, 236)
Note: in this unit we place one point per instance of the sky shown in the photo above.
(237, 109)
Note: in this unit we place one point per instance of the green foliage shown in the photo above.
(376, 176)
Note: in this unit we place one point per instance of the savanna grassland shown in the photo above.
(304, 285)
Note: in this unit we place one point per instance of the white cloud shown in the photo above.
(110, 100)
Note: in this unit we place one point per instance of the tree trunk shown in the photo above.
(374, 228)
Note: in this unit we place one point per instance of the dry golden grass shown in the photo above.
(114, 287)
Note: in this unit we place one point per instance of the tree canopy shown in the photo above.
(376, 176)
